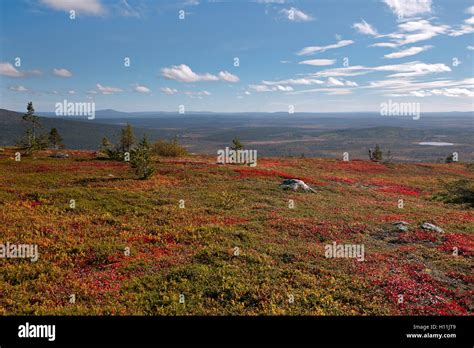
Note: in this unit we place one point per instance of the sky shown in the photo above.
(237, 56)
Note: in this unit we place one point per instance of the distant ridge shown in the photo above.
(77, 134)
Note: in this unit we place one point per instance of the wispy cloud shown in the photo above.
(198, 95)
(270, 88)
(407, 52)
(301, 81)
(317, 49)
(409, 8)
(108, 90)
(413, 31)
(62, 72)
(294, 14)
(318, 62)
(415, 68)
(140, 89)
(168, 90)
(86, 7)
(467, 27)
(19, 89)
(365, 28)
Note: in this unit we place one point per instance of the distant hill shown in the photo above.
(76, 134)
(271, 134)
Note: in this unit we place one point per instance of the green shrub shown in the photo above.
(169, 149)
(458, 192)
(141, 160)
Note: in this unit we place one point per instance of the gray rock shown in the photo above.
(401, 225)
(59, 155)
(295, 185)
(431, 227)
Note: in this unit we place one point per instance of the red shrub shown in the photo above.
(463, 243)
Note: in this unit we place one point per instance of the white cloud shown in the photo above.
(470, 48)
(301, 81)
(108, 90)
(314, 49)
(71, 91)
(407, 52)
(454, 92)
(469, 21)
(126, 10)
(168, 90)
(284, 88)
(260, 88)
(198, 95)
(140, 89)
(272, 1)
(294, 14)
(408, 84)
(334, 82)
(18, 89)
(329, 91)
(183, 73)
(407, 87)
(87, 7)
(346, 71)
(318, 62)
(415, 68)
(227, 76)
(272, 88)
(413, 31)
(191, 3)
(466, 28)
(462, 30)
(365, 28)
(9, 70)
(62, 72)
(447, 92)
(384, 44)
(409, 8)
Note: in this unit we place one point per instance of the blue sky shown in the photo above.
(317, 56)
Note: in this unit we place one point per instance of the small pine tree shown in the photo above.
(141, 159)
(127, 140)
(105, 145)
(450, 159)
(32, 120)
(237, 145)
(31, 142)
(376, 154)
(55, 139)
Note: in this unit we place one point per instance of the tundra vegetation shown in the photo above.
(228, 240)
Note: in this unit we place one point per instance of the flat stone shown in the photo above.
(431, 227)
